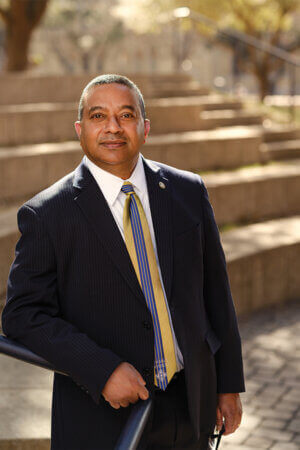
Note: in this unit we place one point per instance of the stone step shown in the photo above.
(182, 81)
(282, 100)
(207, 102)
(253, 194)
(280, 132)
(281, 150)
(220, 102)
(157, 79)
(25, 407)
(263, 263)
(177, 114)
(25, 170)
(19, 88)
(276, 132)
(54, 122)
(225, 148)
(175, 90)
(25, 444)
(230, 117)
(36, 123)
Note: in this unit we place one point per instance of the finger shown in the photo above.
(134, 398)
(114, 405)
(229, 424)
(219, 419)
(237, 421)
(143, 393)
(124, 404)
(140, 379)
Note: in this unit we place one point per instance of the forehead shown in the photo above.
(111, 95)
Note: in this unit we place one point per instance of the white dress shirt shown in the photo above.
(110, 186)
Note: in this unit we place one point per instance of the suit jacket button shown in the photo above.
(147, 325)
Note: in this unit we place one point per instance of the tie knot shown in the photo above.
(127, 188)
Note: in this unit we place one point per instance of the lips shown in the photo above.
(113, 144)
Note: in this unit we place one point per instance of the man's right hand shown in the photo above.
(124, 386)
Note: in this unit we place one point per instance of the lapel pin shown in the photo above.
(162, 185)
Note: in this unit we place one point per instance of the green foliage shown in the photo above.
(266, 20)
(252, 16)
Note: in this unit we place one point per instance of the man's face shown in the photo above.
(112, 128)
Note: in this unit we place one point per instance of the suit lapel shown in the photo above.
(97, 212)
(159, 192)
(92, 203)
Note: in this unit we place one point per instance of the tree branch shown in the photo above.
(244, 18)
(36, 10)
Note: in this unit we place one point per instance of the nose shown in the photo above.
(112, 125)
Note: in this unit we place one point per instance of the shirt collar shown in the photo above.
(110, 184)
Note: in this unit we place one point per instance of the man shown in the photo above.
(120, 281)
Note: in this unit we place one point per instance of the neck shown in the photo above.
(122, 171)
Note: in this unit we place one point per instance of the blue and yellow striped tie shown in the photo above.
(140, 248)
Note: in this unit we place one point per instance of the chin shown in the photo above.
(110, 161)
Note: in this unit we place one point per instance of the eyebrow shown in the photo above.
(94, 108)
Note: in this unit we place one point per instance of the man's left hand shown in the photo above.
(230, 409)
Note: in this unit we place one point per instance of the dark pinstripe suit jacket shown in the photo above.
(73, 298)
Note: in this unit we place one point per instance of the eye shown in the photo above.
(127, 115)
(97, 116)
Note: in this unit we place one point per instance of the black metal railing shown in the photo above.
(241, 37)
(133, 430)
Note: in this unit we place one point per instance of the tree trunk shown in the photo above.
(263, 72)
(17, 46)
(264, 84)
(22, 18)
(260, 68)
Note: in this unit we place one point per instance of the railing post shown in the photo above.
(133, 430)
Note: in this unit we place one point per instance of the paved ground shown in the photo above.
(271, 404)
(272, 364)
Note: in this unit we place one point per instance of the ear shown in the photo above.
(77, 125)
(146, 127)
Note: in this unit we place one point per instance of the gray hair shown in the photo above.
(109, 79)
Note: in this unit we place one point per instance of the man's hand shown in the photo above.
(230, 408)
(124, 386)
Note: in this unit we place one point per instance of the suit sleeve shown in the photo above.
(219, 305)
(32, 317)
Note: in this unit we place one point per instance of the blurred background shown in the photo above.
(221, 84)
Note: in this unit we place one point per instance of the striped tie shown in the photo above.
(140, 248)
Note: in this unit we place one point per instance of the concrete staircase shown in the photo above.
(34, 123)
(255, 194)
(198, 131)
(281, 143)
(17, 89)
(252, 173)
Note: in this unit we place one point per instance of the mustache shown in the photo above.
(112, 140)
